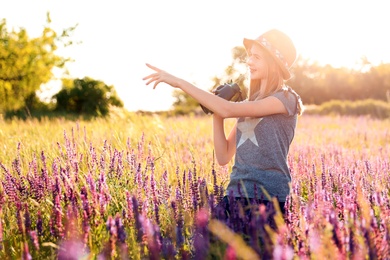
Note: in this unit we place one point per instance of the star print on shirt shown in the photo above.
(247, 128)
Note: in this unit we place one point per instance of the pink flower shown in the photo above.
(230, 254)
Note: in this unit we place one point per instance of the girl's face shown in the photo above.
(257, 63)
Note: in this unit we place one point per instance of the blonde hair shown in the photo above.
(274, 83)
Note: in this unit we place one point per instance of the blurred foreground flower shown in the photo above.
(235, 241)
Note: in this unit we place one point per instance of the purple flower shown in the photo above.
(27, 218)
(138, 224)
(165, 187)
(129, 200)
(26, 253)
(85, 202)
(184, 182)
(39, 223)
(201, 236)
(19, 217)
(34, 238)
(72, 249)
(120, 167)
(168, 250)
(177, 177)
(153, 238)
(10, 188)
(111, 227)
(179, 229)
(120, 229)
(85, 227)
(57, 213)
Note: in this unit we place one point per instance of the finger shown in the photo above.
(154, 75)
(152, 67)
(150, 81)
(155, 84)
(147, 77)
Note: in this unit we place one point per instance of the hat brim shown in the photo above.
(248, 45)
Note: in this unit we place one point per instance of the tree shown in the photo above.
(87, 97)
(27, 63)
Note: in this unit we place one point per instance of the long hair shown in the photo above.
(274, 83)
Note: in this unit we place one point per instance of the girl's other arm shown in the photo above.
(224, 147)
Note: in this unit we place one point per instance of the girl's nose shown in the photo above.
(249, 60)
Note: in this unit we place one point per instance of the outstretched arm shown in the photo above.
(207, 99)
(218, 105)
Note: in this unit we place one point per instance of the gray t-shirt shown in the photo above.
(262, 145)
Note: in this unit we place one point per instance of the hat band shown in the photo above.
(274, 51)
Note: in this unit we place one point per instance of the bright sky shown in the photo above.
(193, 39)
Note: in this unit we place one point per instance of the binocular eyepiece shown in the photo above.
(228, 91)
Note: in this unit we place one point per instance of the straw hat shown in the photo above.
(279, 45)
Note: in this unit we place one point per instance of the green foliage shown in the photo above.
(375, 108)
(87, 96)
(34, 108)
(27, 63)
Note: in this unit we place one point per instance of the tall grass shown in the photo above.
(136, 187)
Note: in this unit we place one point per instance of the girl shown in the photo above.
(265, 126)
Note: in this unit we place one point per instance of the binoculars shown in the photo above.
(228, 91)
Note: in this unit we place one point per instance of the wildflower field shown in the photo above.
(145, 187)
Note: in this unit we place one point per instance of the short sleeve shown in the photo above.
(289, 101)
